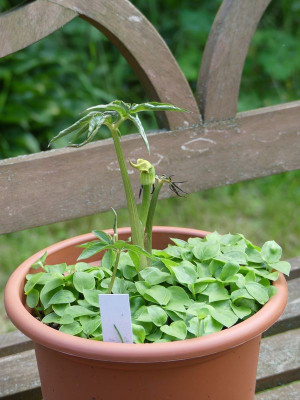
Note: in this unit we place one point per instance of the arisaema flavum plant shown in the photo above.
(112, 115)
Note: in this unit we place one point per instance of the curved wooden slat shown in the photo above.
(62, 184)
(29, 23)
(146, 52)
(224, 57)
(127, 28)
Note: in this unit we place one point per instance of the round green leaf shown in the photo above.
(185, 274)
(157, 315)
(158, 294)
(72, 329)
(32, 298)
(62, 297)
(259, 292)
(176, 329)
(271, 252)
(83, 280)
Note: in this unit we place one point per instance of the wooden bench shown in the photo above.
(212, 140)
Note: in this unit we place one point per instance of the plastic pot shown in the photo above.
(220, 366)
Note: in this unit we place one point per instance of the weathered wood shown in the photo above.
(128, 30)
(62, 184)
(290, 319)
(224, 57)
(287, 392)
(14, 342)
(19, 378)
(29, 23)
(279, 360)
(295, 270)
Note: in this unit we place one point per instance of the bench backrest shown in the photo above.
(212, 145)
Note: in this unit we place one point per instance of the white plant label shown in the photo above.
(116, 318)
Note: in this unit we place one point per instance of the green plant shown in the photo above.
(192, 289)
(188, 290)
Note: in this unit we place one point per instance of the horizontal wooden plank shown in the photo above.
(22, 26)
(14, 342)
(287, 392)
(290, 319)
(19, 378)
(62, 184)
(223, 59)
(279, 360)
(295, 270)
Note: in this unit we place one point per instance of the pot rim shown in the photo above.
(135, 353)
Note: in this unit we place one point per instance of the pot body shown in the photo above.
(221, 366)
(228, 375)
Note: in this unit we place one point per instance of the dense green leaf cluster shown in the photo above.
(193, 288)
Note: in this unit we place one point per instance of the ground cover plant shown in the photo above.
(188, 290)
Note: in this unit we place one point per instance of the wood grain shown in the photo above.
(14, 342)
(63, 184)
(287, 392)
(224, 57)
(279, 360)
(19, 378)
(29, 23)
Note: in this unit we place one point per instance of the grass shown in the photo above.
(263, 209)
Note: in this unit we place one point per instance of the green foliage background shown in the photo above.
(46, 85)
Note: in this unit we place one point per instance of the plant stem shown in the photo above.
(135, 223)
(149, 222)
(145, 204)
(111, 283)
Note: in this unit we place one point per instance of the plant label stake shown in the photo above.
(115, 318)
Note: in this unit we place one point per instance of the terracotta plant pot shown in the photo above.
(220, 366)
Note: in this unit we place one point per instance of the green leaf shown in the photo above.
(271, 252)
(154, 106)
(32, 282)
(48, 290)
(108, 259)
(66, 319)
(176, 329)
(229, 269)
(235, 256)
(91, 296)
(139, 333)
(195, 326)
(216, 292)
(185, 274)
(254, 255)
(142, 287)
(62, 297)
(92, 249)
(157, 315)
(211, 325)
(116, 105)
(71, 329)
(83, 280)
(154, 336)
(129, 272)
(206, 250)
(59, 268)
(135, 303)
(104, 237)
(158, 294)
(51, 318)
(154, 276)
(135, 119)
(179, 298)
(78, 311)
(40, 262)
(240, 311)
(32, 298)
(223, 314)
(282, 266)
(91, 324)
(241, 294)
(259, 292)
(179, 242)
(60, 309)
